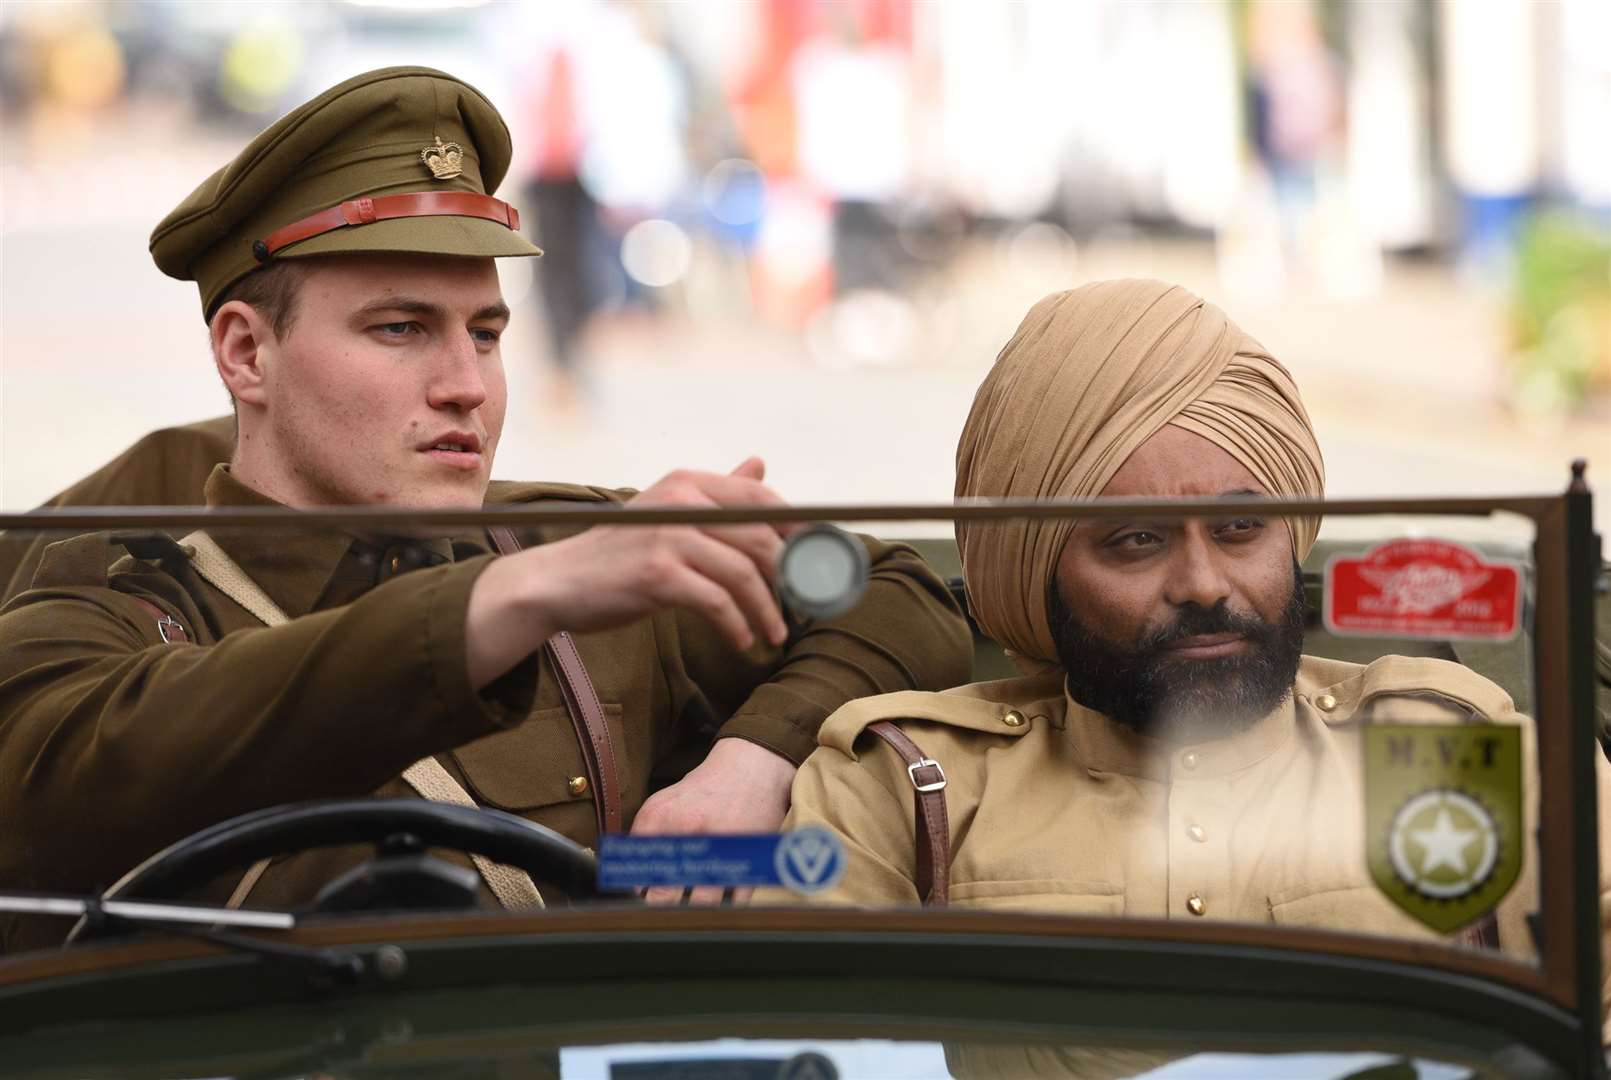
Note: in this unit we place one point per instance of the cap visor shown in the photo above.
(435, 235)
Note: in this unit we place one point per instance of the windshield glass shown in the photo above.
(1212, 733)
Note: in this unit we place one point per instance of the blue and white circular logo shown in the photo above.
(809, 859)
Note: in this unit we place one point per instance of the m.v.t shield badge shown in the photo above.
(1443, 817)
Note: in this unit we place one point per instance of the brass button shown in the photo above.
(576, 785)
(1325, 703)
(1197, 833)
(1195, 905)
(1188, 760)
(396, 564)
(1014, 718)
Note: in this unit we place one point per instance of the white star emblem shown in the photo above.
(1444, 845)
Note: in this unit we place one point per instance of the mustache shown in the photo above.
(1199, 622)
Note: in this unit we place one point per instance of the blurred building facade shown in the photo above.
(856, 174)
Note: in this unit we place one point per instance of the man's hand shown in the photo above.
(741, 787)
(612, 575)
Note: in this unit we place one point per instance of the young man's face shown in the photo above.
(389, 385)
(1184, 629)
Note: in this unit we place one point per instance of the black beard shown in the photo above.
(1149, 691)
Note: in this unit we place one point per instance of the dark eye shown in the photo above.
(484, 336)
(397, 329)
(1135, 540)
(1240, 528)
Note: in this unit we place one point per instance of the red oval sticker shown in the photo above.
(1422, 589)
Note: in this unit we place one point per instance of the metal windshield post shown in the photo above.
(1583, 568)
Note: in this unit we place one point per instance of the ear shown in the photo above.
(244, 344)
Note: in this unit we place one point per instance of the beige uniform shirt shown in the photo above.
(1055, 808)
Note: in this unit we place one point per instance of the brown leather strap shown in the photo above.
(366, 211)
(587, 715)
(933, 826)
(1482, 934)
(592, 730)
(171, 629)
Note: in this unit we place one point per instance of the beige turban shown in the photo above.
(1090, 375)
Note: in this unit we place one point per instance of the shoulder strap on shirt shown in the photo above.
(512, 887)
(933, 825)
(225, 574)
(582, 703)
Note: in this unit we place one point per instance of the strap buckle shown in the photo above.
(168, 625)
(936, 785)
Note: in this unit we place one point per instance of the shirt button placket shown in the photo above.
(1185, 858)
(1197, 856)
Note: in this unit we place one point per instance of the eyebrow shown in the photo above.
(412, 306)
(1121, 521)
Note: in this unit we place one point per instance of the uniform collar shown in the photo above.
(1107, 746)
(308, 569)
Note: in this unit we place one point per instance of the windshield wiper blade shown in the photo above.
(144, 911)
(203, 921)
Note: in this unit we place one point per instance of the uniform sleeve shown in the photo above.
(168, 467)
(859, 803)
(906, 634)
(112, 747)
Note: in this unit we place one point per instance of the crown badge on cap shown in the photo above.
(445, 160)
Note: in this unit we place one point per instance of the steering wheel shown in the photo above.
(281, 830)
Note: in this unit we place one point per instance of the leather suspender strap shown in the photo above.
(933, 826)
(592, 729)
(582, 703)
(171, 629)
(1482, 934)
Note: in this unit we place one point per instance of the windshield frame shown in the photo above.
(1566, 564)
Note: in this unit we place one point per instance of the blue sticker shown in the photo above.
(805, 860)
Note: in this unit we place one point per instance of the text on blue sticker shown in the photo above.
(805, 860)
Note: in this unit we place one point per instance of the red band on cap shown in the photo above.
(364, 211)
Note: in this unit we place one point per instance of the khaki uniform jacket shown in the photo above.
(114, 744)
(1070, 813)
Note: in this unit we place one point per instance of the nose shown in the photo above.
(1196, 573)
(457, 382)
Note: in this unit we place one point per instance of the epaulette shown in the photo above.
(1339, 689)
(77, 560)
(1007, 708)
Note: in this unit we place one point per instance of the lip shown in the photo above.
(468, 459)
(1206, 646)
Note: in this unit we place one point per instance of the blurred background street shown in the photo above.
(803, 228)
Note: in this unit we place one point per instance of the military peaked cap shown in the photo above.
(401, 159)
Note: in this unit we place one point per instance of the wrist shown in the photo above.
(756, 761)
(503, 625)
(528, 589)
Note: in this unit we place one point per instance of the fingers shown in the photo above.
(684, 587)
(739, 580)
(733, 566)
(760, 543)
(741, 487)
